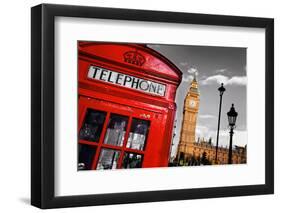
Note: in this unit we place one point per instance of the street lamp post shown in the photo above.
(221, 89)
(232, 115)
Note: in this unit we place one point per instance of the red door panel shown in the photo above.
(119, 136)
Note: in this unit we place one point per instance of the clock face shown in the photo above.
(192, 103)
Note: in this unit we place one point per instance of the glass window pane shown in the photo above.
(92, 126)
(132, 160)
(86, 155)
(108, 159)
(138, 134)
(116, 130)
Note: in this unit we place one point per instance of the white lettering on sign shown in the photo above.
(128, 81)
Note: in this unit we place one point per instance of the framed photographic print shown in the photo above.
(139, 106)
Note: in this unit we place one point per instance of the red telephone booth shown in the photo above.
(126, 106)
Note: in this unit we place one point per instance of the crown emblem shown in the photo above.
(133, 57)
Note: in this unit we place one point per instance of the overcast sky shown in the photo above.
(213, 66)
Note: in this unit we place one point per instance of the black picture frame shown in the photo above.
(43, 105)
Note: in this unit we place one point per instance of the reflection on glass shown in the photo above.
(108, 159)
(138, 134)
(86, 155)
(92, 126)
(132, 160)
(116, 130)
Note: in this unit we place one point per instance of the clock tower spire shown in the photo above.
(190, 112)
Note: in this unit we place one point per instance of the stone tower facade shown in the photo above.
(190, 112)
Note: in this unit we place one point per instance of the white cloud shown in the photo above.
(187, 78)
(240, 137)
(220, 70)
(192, 70)
(184, 64)
(207, 116)
(238, 80)
(218, 79)
(215, 79)
(201, 130)
(189, 74)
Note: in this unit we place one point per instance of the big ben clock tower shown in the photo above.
(190, 111)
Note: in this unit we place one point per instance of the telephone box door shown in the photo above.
(115, 136)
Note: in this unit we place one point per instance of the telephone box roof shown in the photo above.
(138, 57)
